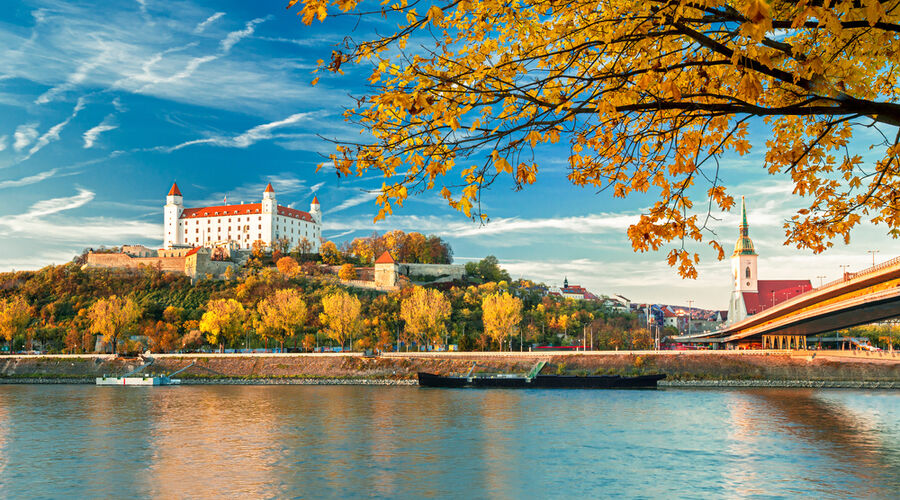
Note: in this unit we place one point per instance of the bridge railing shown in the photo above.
(849, 276)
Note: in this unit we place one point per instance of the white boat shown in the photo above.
(140, 380)
(132, 378)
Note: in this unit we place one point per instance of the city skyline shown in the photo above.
(105, 106)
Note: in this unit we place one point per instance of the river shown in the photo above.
(61, 441)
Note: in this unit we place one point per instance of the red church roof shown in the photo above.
(269, 188)
(174, 191)
(385, 259)
(774, 292)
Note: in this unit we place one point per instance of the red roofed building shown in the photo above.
(240, 225)
(752, 295)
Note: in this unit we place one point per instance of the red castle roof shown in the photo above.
(269, 188)
(315, 200)
(385, 259)
(174, 191)
(245, 209)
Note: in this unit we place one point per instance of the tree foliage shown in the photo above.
(340, 316)
(502, 312)
(648, 94)
(283, 313)
(223, 321)
(425, 312)
(347, 272)
(288, 267)
(111, 316)
(15, 315)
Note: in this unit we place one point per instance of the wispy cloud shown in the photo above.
(236, 36)
(53, 133)
(35, 222)
(209, 20)
(73, 80)
(2, 142)
(246, 139)
(24, 135)
(90, 137)
(31, 179)
(359, 199)
(55, 205)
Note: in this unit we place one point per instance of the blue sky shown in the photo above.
(104, 104)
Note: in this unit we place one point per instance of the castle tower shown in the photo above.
(268, 204)
(743, 270)
(174, 206)
(315, 210)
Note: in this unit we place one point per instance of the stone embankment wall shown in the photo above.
(121, 260)
(399, 367)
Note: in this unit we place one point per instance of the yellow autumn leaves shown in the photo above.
(649, 96)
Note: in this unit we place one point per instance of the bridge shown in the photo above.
(855, 299)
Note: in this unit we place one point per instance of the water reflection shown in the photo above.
(297, 441)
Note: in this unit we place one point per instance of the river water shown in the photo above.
(408, 442)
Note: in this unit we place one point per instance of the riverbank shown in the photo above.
(684, 369)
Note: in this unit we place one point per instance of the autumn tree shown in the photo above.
(501, 312)
(112, 316)
(15, 315)
(282, 314)
(163, 336)
(425, 312)
(650, 95)
(330, 254)
(223, 321)
(340, 316)
(288, 267)
(347, 272)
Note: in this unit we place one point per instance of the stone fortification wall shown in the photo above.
(121, 260)
(200, 264)
(451, 271)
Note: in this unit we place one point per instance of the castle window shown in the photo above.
(747, 273)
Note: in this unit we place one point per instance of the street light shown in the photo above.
(873, 252)
(821, 277)
(690, 315)
(844, 269)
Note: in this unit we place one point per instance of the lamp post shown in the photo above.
(690, 315)
(821, 279)
(844, 271)
(873, 252)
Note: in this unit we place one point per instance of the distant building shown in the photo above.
(568, 291)
(241, 224)
(752, 295)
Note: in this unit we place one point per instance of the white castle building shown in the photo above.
(240, 225)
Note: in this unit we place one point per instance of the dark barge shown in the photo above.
(533, 380)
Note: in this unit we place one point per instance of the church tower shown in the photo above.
(172, 213)
(743, 260)
(743, 270)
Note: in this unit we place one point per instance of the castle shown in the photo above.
(241, 225)
(751, 295)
